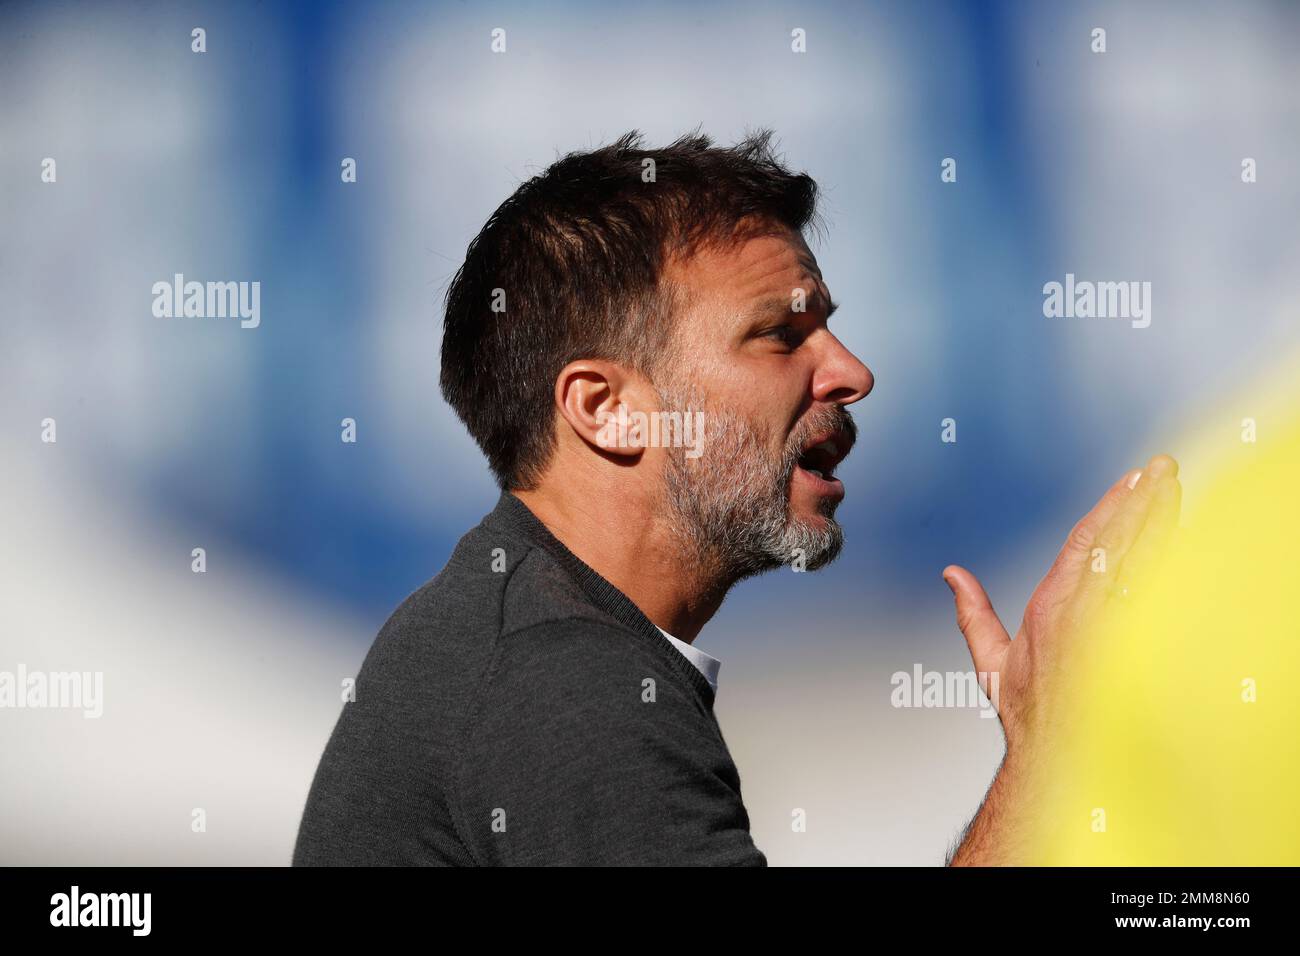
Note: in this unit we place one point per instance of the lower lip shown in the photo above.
(829, 487)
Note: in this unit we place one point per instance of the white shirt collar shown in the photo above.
(704, 663)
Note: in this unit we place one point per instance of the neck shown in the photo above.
(609, 531)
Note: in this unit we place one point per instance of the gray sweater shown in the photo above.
(518, 709)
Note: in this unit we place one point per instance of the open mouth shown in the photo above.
(823, 454)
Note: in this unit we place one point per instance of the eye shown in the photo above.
(787, 335)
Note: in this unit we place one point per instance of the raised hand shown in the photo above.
(1109, 549)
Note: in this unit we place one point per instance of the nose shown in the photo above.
(841, 378)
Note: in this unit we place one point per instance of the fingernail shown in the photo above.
(1133, 478)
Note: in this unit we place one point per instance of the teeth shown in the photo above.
(829, 448)
(813, 471)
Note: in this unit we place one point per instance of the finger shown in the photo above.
(979, 624)
(1122, 530)
(1152, 544)
(1077, 550)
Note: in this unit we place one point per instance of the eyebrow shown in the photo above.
(780, 305)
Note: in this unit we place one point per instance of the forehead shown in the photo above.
(759, 267)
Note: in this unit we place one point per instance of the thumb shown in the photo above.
(984, 633)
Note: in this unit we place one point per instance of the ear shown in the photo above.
(600, 401)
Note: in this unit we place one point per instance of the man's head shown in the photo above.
(670, 282)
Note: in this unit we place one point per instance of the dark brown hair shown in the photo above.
(576, 258)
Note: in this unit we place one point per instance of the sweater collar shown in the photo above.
(511, 513)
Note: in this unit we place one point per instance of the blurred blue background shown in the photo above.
(221, 688)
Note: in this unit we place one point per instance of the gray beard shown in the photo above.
(730, 507)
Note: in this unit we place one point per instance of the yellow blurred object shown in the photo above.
(1187, 748)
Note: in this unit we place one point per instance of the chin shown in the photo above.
(818, 537)
(816, 517)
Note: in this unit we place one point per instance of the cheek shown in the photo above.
(779, 405)
(770, 396)
(771, 380)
